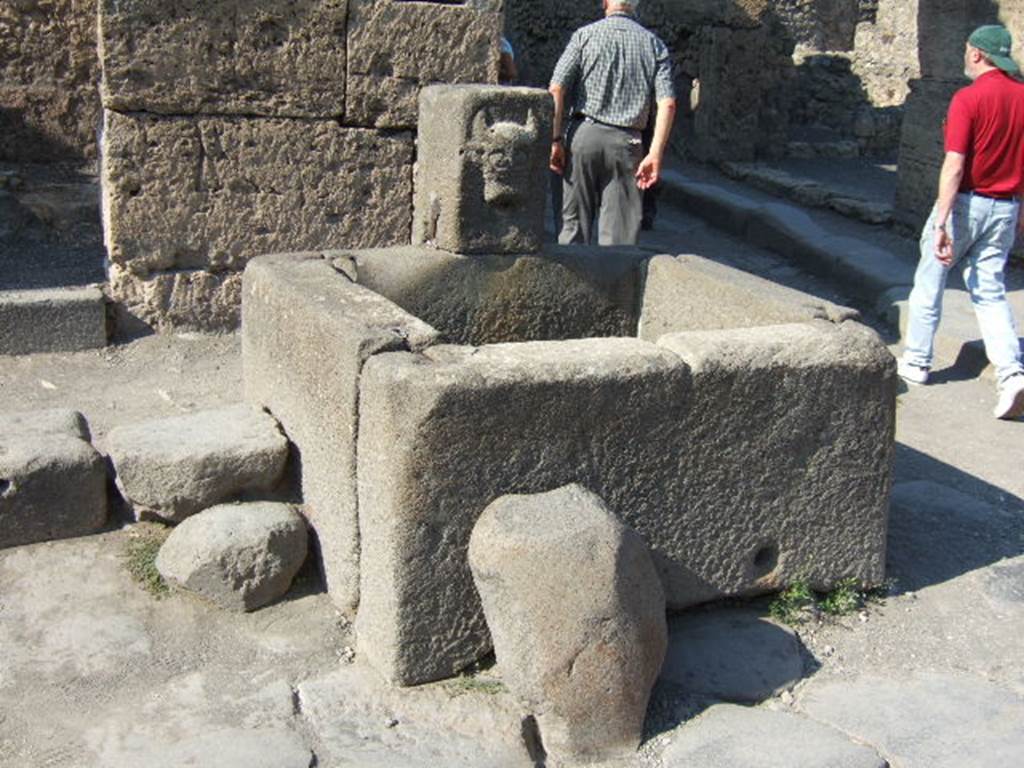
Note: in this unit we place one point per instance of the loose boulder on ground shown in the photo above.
(53, 483)
(173, 468)
(577, 614)
(239, 556)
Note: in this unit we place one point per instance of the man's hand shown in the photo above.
(943, 246)
(649, 172)
(557, 161)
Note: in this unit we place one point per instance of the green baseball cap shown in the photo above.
(995, 42)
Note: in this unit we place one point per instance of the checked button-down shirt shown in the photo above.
(613, 68)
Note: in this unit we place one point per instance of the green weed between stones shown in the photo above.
(798, 602)
(141, 548)
(472, 684)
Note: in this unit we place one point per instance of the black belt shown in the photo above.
(988, 197)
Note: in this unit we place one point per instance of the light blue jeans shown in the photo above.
(983, 230)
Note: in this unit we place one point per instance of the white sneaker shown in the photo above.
(1011, 398)
(915, 374)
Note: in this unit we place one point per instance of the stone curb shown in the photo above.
(52, 320)
(870, 273)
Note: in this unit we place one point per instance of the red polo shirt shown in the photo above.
(986, 124)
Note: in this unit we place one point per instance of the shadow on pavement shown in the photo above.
(941, 530)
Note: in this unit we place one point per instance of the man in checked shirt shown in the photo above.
(613, 69)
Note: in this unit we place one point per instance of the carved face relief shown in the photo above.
(502, 150)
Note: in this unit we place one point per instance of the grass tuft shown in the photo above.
(139, 556)
(798, 603)
(464, 684)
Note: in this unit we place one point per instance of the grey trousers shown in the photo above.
(600, 183)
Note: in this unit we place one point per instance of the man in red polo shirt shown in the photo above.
(975, 217)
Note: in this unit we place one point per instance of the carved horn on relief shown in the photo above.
(481, 124)
(531, 125)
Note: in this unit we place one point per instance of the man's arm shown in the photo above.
(557, 161)
(649, 172)
(950, 176)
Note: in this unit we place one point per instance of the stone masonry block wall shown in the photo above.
(206, 194)
(308, 331)
(943, 28)
(709, 444)
(235, 128)
(49, 105)
(225, 57)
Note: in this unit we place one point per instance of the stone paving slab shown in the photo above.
(929, 720)
(52, 320)
(732, 655)
(728, 736)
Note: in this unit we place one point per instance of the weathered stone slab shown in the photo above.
(564, 293)
(777, 450)
(792, 426)
(306, 334)
(938, 720)
(394, 48)
(172, 468)
(280, 58)
(52, 320)
(731, 655)
(188, 194)
(482, 160)
(690, 293)
(362, 721)
(445, 433)
(577, 614)
(239, 556)
(727, 736)
(53, 483)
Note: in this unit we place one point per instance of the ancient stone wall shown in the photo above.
(943, 26)
(233, 129)
(755, 97)
(49, 106)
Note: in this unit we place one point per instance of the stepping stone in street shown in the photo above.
(731, 654)
(53, 483)
(239, 556)
(172, 468)
(727, 736)
(931, 720)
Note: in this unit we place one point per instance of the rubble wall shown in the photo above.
(230, 132)
(49, 104)
(753, 97)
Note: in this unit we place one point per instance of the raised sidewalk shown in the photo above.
(872, 264)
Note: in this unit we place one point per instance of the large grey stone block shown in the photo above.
(207, 194)
(238, 556)
(563, 293)
(577, 614)
(52, 320)
(445, 433)
(53, 483)
(396, 47)
(281, 58)
(691, 293)
(482, 168)
(770, 460)
(172, 468)
(306, 334)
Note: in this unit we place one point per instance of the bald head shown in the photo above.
(618, 6)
